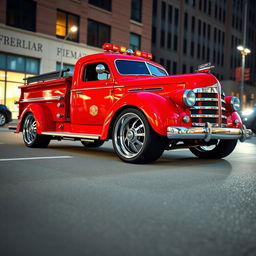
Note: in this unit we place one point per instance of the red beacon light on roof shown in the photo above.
(138, 53)
(124, 50)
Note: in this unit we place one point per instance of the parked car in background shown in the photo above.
(249, 118)
(5, 115)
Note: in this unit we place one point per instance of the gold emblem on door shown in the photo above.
(93, 110)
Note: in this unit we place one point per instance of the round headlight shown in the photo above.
(235, 103)
(189, 98)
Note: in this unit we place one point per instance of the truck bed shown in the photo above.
(54, 95)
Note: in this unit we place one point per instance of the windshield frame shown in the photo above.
(146, 63)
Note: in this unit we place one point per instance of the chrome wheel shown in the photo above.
(2, 119)
(29, 129)
(129, 135)
(207, 148)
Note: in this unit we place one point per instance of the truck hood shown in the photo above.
(188, 81)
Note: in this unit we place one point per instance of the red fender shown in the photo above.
(160, 111)
(43, 116)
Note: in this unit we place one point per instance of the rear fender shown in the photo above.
(160, 111)
(43, 116)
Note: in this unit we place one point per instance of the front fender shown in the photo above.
(160, 111)
(43, 116)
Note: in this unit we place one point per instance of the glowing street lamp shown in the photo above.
(73, 29)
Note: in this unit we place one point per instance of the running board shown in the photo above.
(72, 135)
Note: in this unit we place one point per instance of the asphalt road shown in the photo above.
(68, 200)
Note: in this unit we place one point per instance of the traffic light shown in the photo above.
(238, 73)
(246, 74)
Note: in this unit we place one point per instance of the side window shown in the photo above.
(90, 73)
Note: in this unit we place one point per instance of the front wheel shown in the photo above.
(220, 149)
(134, 140)
(30, 136)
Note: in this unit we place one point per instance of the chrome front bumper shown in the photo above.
(208, 133)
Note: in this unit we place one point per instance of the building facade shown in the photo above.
(35, 35)
(187, 33)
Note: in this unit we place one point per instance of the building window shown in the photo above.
(135, 41)
(184, 46)
(184, 69)
(174, 68)
(104, 4)
(175, 43)
(21, 14)
(13, 68)
(162, 62)
(168, 66)
(163, 19)
(193, 22)
(64, 23)
(136, 9)
(97, 33)
(192, 49)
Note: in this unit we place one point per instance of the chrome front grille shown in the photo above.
(210, 107)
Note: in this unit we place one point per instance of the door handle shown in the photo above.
(78, 92)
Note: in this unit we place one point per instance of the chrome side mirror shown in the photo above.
(100, 69)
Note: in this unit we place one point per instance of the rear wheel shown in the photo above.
(94, 144)
(30, 136)
(220, 149)
(2, 119)
(134, 140)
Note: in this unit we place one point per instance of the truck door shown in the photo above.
(92, 96)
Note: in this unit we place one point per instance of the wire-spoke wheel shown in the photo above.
(134, 140)
(220, 149)
(2, 119)
(30, 136)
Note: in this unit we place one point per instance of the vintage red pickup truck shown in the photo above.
(122, 95)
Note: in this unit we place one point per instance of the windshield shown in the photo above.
(131, 67)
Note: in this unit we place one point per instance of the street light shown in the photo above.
(244, 51)
(73, 29)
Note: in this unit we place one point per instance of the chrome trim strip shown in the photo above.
(135, 90)
(209, 132)
(153, 89)
(213, 124)
(220, 105)
(72, 135)
(43, 99)
(209, 99)
(97, 88)
(206, 90)
(208, 116)
(207, 107)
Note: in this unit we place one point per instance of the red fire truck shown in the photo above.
(122, 95)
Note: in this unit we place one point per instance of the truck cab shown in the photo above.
(122, 95)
